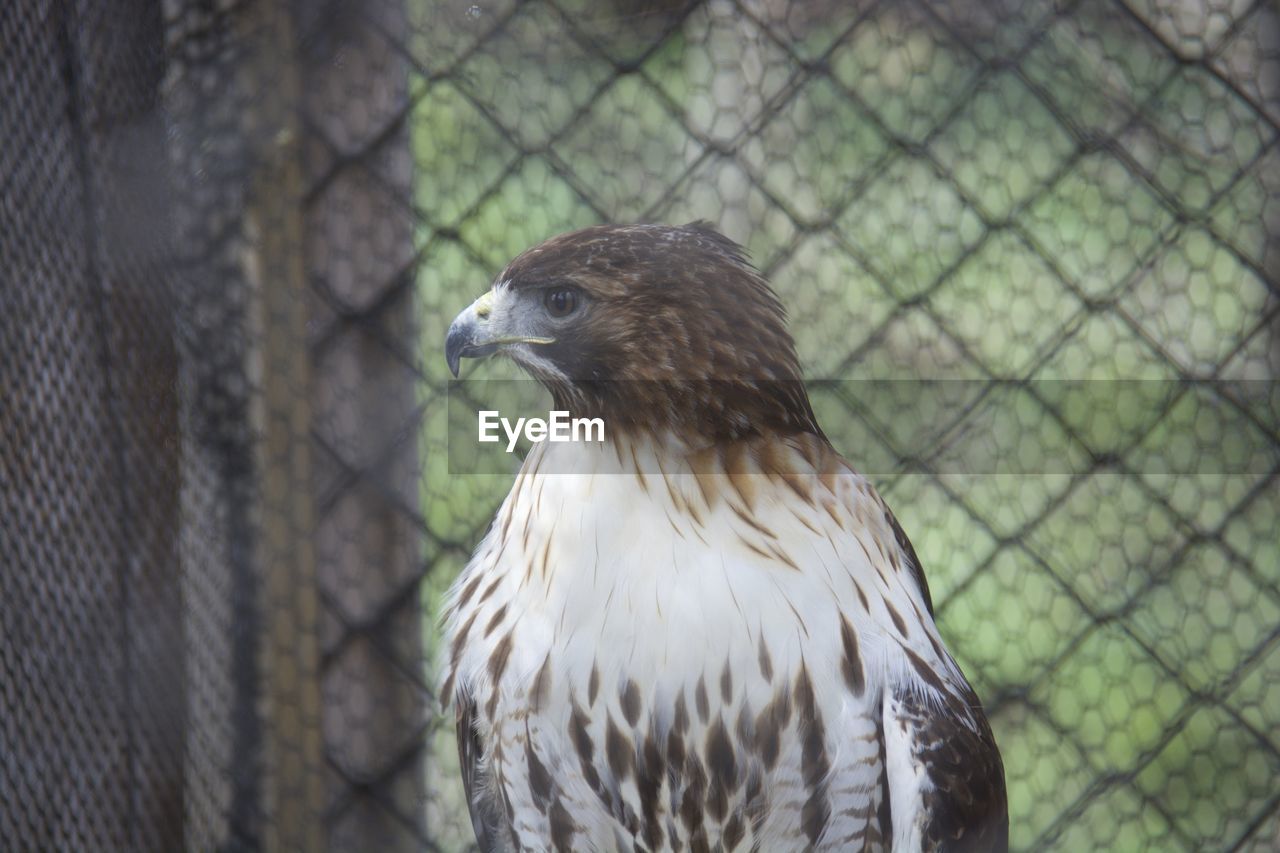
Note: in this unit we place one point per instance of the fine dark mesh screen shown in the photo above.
(232, 235)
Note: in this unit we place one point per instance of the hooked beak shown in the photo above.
(471, 334)
(468, 333)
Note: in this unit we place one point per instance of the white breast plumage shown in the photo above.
(655, 648)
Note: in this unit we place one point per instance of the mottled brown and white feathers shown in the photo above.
(708, 632)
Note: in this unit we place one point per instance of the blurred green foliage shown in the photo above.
(939, 192)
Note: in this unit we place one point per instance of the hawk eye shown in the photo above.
(561, 301)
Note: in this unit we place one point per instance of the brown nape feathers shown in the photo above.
(676, 330)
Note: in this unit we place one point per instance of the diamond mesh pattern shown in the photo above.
(233, 234)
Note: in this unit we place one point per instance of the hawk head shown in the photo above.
(648, 326)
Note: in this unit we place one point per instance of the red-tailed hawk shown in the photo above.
(707, 632)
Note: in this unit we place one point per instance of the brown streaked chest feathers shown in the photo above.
(694, 669)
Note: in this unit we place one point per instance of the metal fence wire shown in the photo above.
(233, 233)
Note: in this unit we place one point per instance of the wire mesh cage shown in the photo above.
(1029, 252)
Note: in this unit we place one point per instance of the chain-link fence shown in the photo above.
(233, 233)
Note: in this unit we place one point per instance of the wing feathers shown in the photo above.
(946, 779)
(489, 817)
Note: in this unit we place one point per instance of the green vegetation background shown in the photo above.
(1048, 196)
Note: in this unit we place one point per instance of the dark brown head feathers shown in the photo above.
(676, 329)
